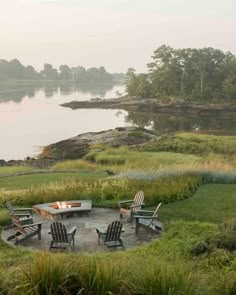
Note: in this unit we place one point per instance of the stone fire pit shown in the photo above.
(60, 210)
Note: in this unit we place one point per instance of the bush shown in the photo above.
(226, 236)
(200, 248)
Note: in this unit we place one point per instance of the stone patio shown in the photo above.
(86, 236)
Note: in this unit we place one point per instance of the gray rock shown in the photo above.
(78, 146)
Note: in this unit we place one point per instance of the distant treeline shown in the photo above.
(194, 74)
(14, 70)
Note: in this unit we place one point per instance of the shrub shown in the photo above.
(200, 248)
(226, 236)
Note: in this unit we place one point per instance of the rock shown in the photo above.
(136, 104)
(78, 146)
(95, 99)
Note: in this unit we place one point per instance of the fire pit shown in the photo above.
(60, 210)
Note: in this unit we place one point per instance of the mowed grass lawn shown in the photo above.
(35, 180)
(211, 203)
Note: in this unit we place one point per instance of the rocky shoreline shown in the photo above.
(78, 146)
(153, 105)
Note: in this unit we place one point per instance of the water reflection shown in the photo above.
(31, 116)
(16, 92)
(164, 122)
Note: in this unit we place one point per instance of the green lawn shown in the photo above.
(26, 181)
(212, 203)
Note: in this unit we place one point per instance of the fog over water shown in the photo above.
(117, 34)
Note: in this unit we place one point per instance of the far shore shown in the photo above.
(153, 105)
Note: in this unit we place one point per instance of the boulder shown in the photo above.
(78, 146)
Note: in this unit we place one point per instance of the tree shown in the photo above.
(195, 74)
(65, 72)
(49, 73)
(131, 82)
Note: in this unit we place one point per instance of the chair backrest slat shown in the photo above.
(113, 231)
(138, 200)
(10, 207)
(59, 233)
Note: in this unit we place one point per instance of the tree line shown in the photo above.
(190, 74)
(14, 70)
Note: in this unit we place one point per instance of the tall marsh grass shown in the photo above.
(193, 143)
(76, 165)
(108, 274)
(12, 170)
(107, 192)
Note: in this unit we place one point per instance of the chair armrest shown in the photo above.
(145, 211)
(145, 217)
(134, 206)
(99, 232)
(72, 230)
(29, 225)
(127, 201)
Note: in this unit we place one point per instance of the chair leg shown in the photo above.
(51, 244)
(122, 244)
(136, 226)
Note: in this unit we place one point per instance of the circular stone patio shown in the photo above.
(86, 236)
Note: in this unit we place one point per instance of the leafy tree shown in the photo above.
(196, 74)
(65, 72)
(49, 73)
(131, 82)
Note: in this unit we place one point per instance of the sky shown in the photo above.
(117, 34)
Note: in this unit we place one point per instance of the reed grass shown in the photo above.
(11, 170)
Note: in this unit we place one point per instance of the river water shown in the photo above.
(31, 117)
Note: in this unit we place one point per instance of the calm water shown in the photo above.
(30, 117)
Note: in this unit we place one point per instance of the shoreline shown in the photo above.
(152, 105)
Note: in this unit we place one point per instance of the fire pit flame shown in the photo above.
(63, 205)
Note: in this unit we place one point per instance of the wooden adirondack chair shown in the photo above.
(24, 232)
(148, 220)
(19, 211)
(135, 206)
(24, 214)
(111, 237)
(61, 238)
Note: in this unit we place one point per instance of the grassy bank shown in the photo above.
(197, 251)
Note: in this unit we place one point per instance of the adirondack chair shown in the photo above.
(111, 237)
(149, 220)
(24, 232)
(19, 211)
(61, 238)
(135, 206)
(24, 214)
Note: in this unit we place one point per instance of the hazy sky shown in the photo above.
(115, 33)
